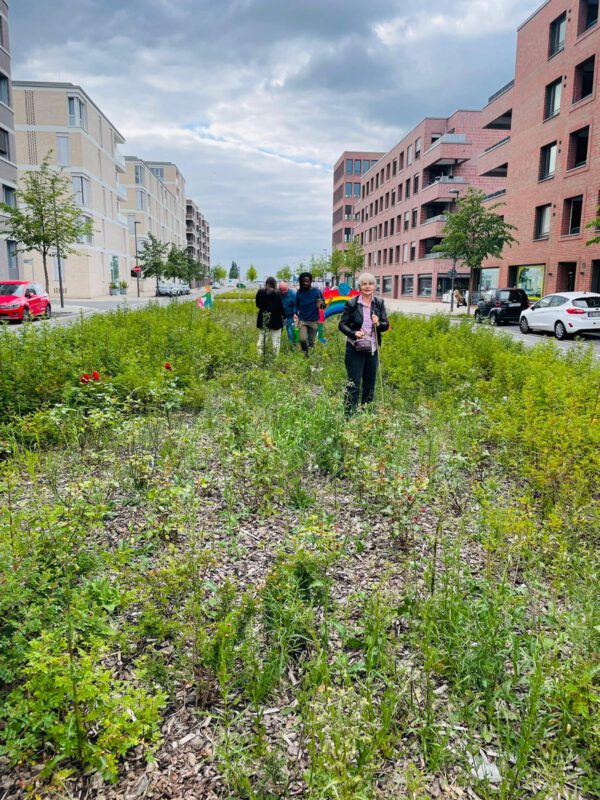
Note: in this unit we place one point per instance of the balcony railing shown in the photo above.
(431, 255)
(120, 160)
(445, 179)
(121, 192)
(493, 195)
(496, 144)
(501, 91)
(439, 218)
(448, 138)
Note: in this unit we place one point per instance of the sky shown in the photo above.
(255, 100)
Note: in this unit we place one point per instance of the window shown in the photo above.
(418, 148)
(578, 148)
(131, 224)
(347, 212)
(140, 200)
(558, 29)
(140, 175)
(62, 149)
(413, 251)
(81, 190)
(409, 155)
(393, 199)
(387, 284)
(399, 192)
(10, 196)
(406, 220)
(408, 284)
(158, 172)
(394, 166)
(347, 235)
(11, 249)
(552, 104)
(583, 85)
(88, 238)
(348, 190)
(542, 221)
(407, 189)
(357, 190)
(349, 166)
(572, 215)
(414, 218)
(416, 184)
(588, 15)
(401, 162)
(4, 93)
(77, 113)
(366, 166)
(4, 144)
(547, 161)
(357, 166)
(424, 285)
(405, 253)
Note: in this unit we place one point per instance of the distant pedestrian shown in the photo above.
(288, 301)
(364, 319)
(459, 299)
(309, 301)
(270, 316)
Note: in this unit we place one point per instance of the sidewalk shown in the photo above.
(423, 307)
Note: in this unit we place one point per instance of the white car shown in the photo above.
(565, 314)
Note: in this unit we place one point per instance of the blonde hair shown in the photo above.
(365, 277)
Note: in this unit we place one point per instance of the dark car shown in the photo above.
(501, 305)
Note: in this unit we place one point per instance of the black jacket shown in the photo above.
(270, 310)
(352, 317)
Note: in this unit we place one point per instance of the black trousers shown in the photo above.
(361, 368)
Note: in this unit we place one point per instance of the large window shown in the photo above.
(77, 113)
(4, 92)
(63, 150)
(348, 189)
(552, 102)
(424, 285)
(583, 86)
(415, 214)
(547, 161)
(409, 155)
(489, 278)
(408, 283)
(578, 148)
(347, 235)
(542, 221)
(13, 264)
(558, 29)
(387, 284)
(9, 196)
(140, 175)
(572, 215)
(366, 166)
(4, 144)
(357, 190)
(81, 190)
(140, 199)
(588, 15)
(357, 167)
(88, 238)
(349, 166)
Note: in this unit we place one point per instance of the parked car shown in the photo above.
(166, 289)
(184, 288)
(501, 305)
(565, 314)
(217, 285)
(23, 300)
(240, 286)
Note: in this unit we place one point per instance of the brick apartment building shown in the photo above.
(534, 147)
(9, 259)
(347, 173)
(61, 118)
(405, 197)
(548, 149)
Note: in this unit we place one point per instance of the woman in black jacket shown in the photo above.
(364, 319)
(270, 317)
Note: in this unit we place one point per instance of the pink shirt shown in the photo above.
(367, 326)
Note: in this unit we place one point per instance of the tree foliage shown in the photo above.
(284, 274)
(251, 273)
(219, 273)
(151, 258)
(595, 225)
(474, 232)
(47, 216)
(354, 259)
(336, 265)
(234, 271)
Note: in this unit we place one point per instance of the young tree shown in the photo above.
(234, 272)
(219, 273)
(48, 215)
(152, 258)
(251, 273)
(177, 263)
(354, 258)
(474, 233)
(595, 225)
(318, 266)
(284, 274)
(336, 265)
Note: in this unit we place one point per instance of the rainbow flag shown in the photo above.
(336, 298)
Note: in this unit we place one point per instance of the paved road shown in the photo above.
(531, 339)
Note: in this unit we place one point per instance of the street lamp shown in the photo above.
(454, 192)
(137, 266)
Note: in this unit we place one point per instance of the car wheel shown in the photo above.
(560, 331)
(478, 316)
(524, 325)
(493, 320)
(48, 312)
(26, 316)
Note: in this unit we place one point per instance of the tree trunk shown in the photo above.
(46, 279)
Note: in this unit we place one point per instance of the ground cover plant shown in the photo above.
(213, 585)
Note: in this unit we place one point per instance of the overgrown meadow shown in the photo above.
(213, 586)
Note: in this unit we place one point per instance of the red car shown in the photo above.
(23, 300)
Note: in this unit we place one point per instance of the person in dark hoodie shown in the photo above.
(270, 318)
(309, 300)
(363, 320)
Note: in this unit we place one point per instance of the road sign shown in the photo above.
(137, 269)
(451, 273)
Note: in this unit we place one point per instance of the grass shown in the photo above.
(350, 610)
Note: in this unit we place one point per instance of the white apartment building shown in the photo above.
(62, 119)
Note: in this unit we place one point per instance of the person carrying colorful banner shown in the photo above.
(308, 301)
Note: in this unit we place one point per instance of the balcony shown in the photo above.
(434, 226)
(122, 219)
(494, 195)
(121, 192)
(439, 189)
(449, 149)
(120, 161)
(493, 162)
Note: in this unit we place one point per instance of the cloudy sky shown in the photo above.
(256, 99)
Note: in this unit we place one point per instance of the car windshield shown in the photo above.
(587, 302)
(14, 289)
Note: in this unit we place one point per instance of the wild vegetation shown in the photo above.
(213, 585)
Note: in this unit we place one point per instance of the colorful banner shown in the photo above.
(336, 298)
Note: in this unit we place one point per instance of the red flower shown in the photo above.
(96, 375)
(168, 367)
(85, 378)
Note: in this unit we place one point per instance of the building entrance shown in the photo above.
(565, 281)
(596, 276)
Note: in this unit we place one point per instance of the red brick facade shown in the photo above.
(347, 173)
